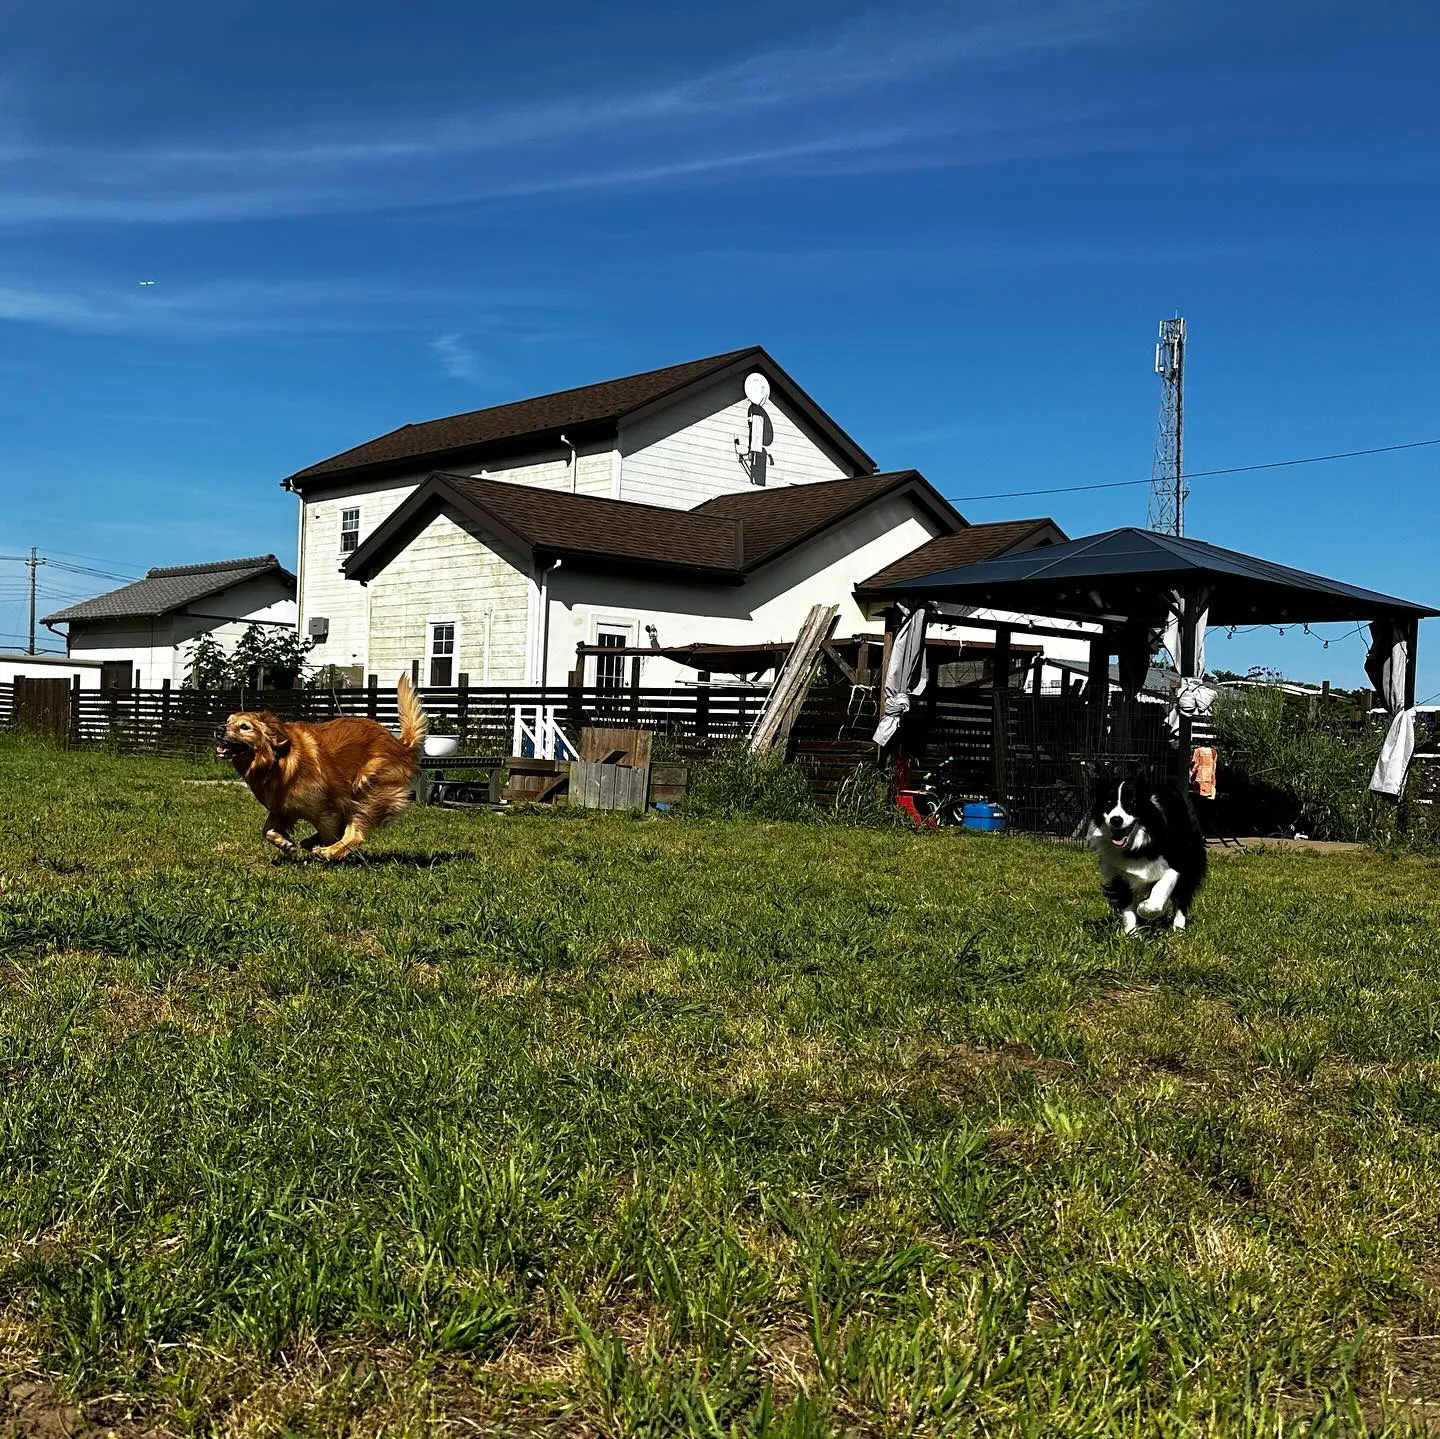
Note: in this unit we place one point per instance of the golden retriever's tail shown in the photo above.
(413, 724)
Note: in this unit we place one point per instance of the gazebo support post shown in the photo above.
(1001, 723)
(1412, 646)
(1097, 696)
(1189, 612)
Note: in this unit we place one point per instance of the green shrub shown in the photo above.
(1300, 769)
(736, 782)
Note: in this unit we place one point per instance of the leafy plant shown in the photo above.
(209, 665)
(264, 657)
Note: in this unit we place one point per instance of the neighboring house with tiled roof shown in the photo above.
(143, 633)
(712, 501)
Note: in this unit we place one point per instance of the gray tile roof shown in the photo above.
(170, 588)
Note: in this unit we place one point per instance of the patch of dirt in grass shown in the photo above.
(1134, 1026)
(789, 1361)
(1004, 1058)
(131, 1010)
(360, 1392)
(1021, 1143)
(34, 1409)
(634, 952)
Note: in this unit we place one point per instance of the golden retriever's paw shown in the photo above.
(334, 853)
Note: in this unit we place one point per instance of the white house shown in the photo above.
(143, 634)
(712, 502)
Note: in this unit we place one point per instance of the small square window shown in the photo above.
(442, 654)
(349, 530)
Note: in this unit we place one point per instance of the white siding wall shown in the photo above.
(323, 589)
(449, 572)
(771, 605)
(551, 471)
(685, 454)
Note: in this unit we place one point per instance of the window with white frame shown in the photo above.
(442, 652)
(349, 530)
(610, 669)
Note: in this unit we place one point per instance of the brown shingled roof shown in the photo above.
(726, 537)
(774, 520)
(590, 409)
(969, 546)
(534, 521)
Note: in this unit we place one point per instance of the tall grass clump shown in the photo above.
(865, 798)
(1299, 769)
(736, 783)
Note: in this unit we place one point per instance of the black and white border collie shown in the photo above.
(1149, 843)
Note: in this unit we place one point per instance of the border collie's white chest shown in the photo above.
(1119, 863)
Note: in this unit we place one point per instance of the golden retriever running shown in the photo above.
(346, 776)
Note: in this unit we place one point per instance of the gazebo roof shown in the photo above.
(1129, 574)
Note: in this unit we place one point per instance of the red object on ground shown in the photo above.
(906, 792)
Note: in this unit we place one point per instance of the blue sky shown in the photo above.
(956, 224)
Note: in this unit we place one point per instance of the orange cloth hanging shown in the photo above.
(1203, 762)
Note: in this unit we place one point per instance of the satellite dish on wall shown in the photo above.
(757, 388)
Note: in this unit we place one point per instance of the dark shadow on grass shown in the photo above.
(395, 858)
(408, 858)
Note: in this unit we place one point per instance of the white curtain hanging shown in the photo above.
(906, 677)
(1388, 666)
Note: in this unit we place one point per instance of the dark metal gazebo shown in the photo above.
(1130, 581)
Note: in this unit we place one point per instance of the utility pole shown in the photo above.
(34, 563)
(1167, 474)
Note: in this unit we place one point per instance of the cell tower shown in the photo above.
(1167, 474)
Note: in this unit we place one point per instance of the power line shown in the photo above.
(94, 559)
(99, 574)
(1200, 474)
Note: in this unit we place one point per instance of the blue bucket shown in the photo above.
(978, 815)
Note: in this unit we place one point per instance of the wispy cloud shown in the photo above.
(241, 305)
(457, 361)
(708, 125)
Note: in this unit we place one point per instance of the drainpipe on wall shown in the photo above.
(545, 620)
(574, 466)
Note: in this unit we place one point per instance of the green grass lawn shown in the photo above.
(581, 1126)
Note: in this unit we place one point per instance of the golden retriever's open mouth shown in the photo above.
(229, 748)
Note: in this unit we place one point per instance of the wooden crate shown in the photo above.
(536, 780)
(608, 786)
(669, 783)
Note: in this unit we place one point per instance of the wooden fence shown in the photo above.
(183, 722)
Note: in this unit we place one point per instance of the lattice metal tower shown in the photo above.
(1167, 474)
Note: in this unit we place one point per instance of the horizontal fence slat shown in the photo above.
(187, 722)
